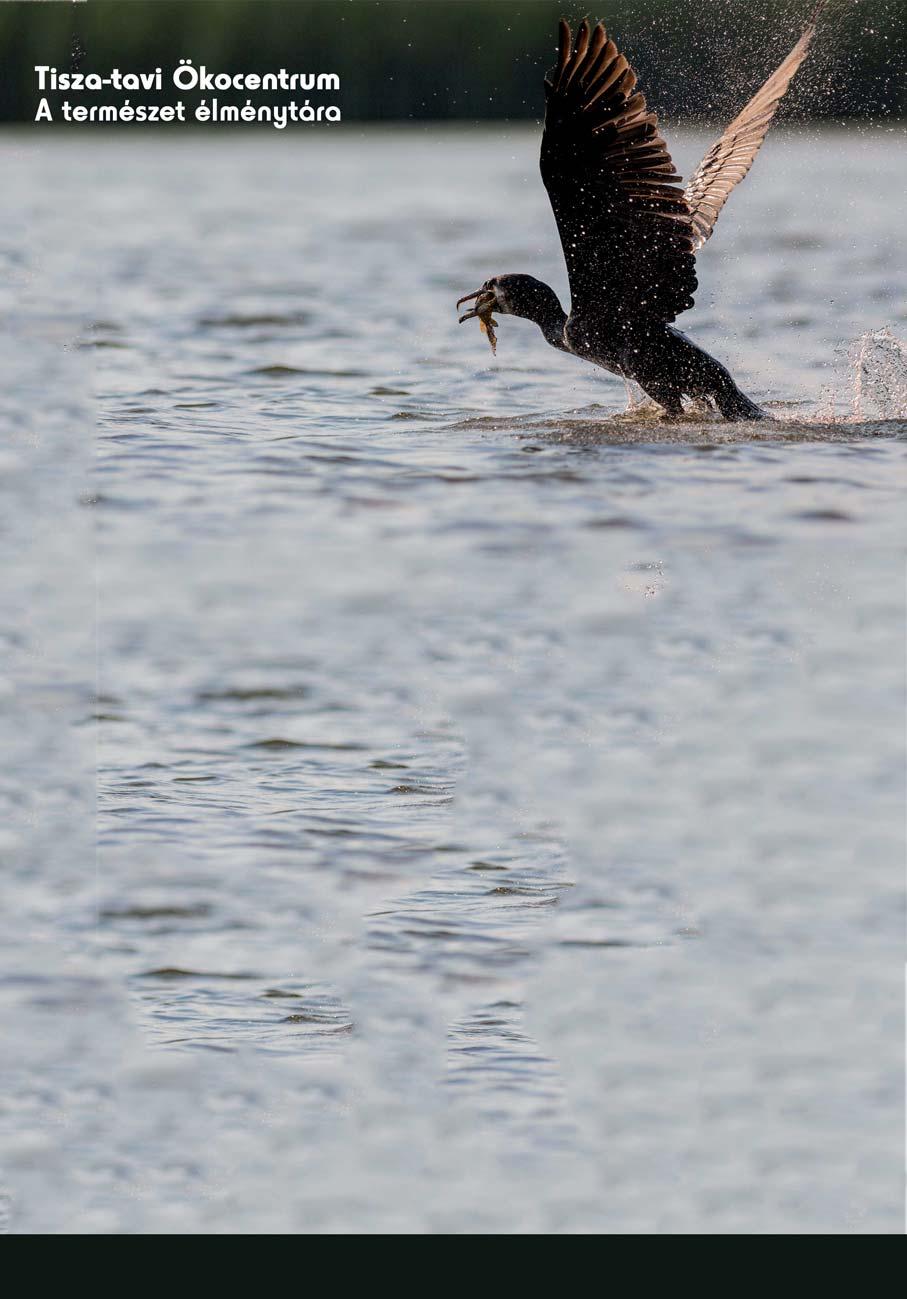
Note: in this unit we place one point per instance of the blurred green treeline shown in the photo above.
(467, 59)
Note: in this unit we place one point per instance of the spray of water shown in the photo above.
(879, 361)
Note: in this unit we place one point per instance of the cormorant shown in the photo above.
(629, 232)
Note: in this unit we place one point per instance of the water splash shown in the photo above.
(637, 400)
(879, 361)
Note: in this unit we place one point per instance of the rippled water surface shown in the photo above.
(500, 796)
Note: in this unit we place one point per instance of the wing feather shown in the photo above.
(730, 157)
(623, 220)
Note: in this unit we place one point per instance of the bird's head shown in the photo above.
(512, 295)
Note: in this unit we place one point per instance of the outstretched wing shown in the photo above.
(623, 219)
(731, 157)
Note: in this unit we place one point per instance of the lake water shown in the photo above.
(434, 801)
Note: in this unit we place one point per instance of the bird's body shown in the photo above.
(628, 231)
(664, 362)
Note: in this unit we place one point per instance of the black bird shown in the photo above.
(629, 232)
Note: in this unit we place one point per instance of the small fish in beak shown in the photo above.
(485, 302)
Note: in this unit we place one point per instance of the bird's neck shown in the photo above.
(550, 317)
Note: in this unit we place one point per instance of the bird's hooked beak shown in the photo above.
(485, 303)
